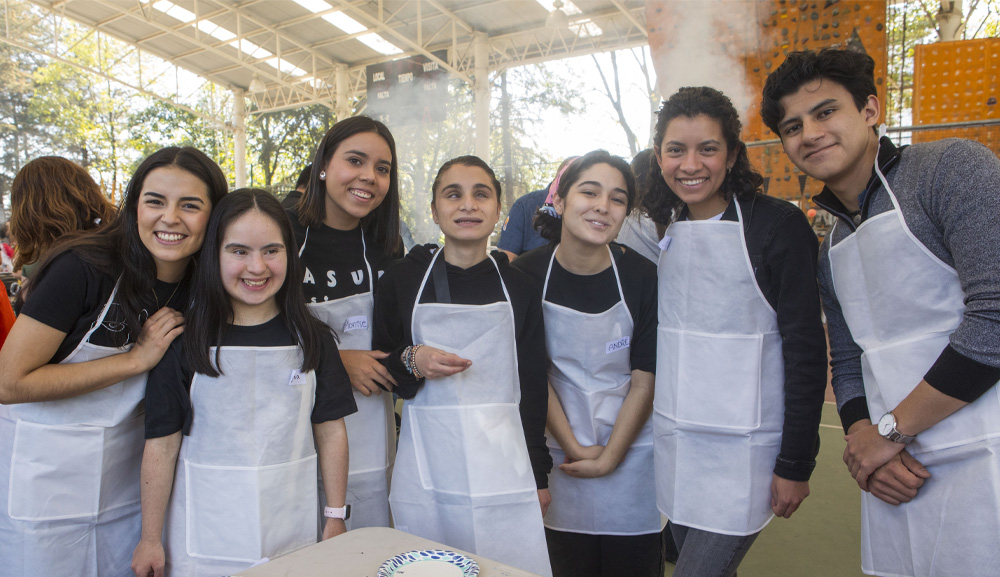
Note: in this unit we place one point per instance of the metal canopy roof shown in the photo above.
(296, 48)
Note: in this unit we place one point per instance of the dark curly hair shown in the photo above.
(853, 70)
(550, 227)
(742, 181)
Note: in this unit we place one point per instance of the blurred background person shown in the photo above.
(518, 234)
(291, 199)
(52, 197)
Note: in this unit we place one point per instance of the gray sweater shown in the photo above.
(949, 193)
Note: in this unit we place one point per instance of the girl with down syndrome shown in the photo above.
(240, 407)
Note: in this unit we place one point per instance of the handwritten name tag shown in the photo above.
(618, 345)
(664, 242)
(356, 324)
(298, 378)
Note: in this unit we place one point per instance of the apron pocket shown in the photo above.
(97, 408)
(55, 472)
(891, 373)
(246, 513)
(471, 450)
(367, 433)
(710, 381)
(895, 370)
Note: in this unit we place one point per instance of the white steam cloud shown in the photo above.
(705, 45)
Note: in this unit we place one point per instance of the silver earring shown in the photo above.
(322, 175)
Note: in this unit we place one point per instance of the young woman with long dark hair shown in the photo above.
(254, 364)
(741, 354)
(101, 312)
(347, 229)
(598, 299)
(468, 353)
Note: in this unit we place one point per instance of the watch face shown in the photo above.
(886, 424)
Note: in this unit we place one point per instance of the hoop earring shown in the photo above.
(322, 174)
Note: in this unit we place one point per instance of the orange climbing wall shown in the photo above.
(957, 82)
(783, 26)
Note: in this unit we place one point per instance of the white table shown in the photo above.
(360, 553)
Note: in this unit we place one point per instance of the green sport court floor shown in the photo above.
(823, 538)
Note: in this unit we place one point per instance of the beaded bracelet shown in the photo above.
(413, 361)
(409, 358)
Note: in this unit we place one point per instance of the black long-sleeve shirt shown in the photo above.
(783, 250)
(477, 285)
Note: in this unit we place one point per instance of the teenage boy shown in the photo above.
(910, 279)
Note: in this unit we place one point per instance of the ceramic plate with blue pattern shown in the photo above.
(429, 563)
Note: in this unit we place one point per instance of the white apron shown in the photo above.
(901, 304)
(245, 482)
(69, 478)
(462, 474)
(590, 369)
(371, 432)
(719, 402)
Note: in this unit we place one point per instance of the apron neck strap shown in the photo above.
(440, 276)
(429, 273)
(104, 312)
(305, 240)
(878, 170)
(364, 257)
(614, 267)
(423, 283)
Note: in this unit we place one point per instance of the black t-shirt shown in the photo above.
(71, 296)
(477, 285)
(597, 293)
(168, 401)
(334, 261)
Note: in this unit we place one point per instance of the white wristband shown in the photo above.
(337, 512)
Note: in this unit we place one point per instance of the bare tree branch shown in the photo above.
(616, 101)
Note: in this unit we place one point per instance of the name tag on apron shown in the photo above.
(618, 345)
(356, 324)
(298, 378)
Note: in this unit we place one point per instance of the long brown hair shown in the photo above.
(117, 250)
(383, 222)
(52, 197)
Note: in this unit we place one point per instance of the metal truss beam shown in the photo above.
(134, 80)
(428, 28)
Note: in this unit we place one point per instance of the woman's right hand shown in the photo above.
(148, 559)
(434, 363)
(366, 373)
(157, 333)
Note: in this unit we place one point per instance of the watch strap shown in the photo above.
(337, 512)
(894, 435)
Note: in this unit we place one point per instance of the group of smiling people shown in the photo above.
(205, 382)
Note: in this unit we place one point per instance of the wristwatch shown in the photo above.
(337, 512)
(887, 428)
